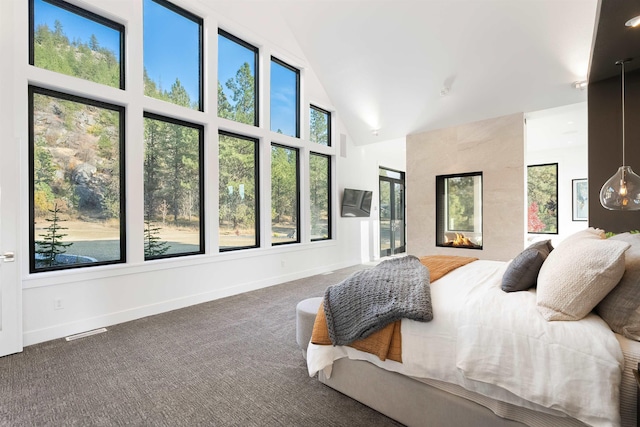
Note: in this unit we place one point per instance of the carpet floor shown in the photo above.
(228, 362)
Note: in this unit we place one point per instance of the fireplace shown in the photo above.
(459, 210)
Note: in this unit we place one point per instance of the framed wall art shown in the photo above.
(580, 199)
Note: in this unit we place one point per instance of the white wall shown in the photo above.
(105, 295)
(559, 135)
(572, 164)
(360, 170)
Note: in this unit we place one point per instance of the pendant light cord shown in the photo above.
(623, 148)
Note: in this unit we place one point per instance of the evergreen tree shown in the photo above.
(153, 245)
(224, 107)
(318, 127)
(54, 51)
(51, 244)
(283, 183)
(243, 95)
(152, 165)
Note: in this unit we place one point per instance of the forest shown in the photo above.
(542, 194)
(76, 165)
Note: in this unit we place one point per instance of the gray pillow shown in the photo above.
(621, 307)
(522, 272)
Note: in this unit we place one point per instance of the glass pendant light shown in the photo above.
(622, 191)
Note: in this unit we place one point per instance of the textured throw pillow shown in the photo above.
(621, 308)
(587, 233)
(522, 272)
(578, 274)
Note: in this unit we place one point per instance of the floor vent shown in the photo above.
(85, 334)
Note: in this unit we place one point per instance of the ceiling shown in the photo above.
(408, 66)
(614, 41)
(555, 128)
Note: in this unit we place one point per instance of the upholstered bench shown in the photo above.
(306, 311)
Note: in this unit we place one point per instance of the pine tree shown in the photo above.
(153, 246)
(51, 244)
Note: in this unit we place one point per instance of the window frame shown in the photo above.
(201, 189)
(32, 90)
(256, 65)
(329, 198)
(85, 14)
(297, 151)
(328, 114)
(256, 154)
(200, 22)
(442, 207)
(297, 73)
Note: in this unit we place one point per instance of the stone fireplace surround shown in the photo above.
(494, 146)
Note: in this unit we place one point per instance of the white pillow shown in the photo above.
(587, 233)
(578, 274)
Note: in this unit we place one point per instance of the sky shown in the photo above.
(76, 27)
(171, 50)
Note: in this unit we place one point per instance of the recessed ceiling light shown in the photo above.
(633, 22)
(580, 84)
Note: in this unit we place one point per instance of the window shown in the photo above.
(173, 193)
(237, 82)
(285, 98)
(238, 192)
(73, 41)
(284, 195)
(76, 162)
(172, 54)
(320, 126)
(459, 210)
(542, 199)
(320, 196)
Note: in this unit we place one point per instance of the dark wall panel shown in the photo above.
(605, 145)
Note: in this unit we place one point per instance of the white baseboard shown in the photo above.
(62, 330)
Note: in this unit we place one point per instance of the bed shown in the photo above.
(490, 357)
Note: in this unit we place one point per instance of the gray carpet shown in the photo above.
(229, 362)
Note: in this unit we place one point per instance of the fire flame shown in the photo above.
(461, 240)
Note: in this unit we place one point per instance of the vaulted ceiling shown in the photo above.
(407, 66)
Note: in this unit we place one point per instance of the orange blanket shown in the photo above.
(387, 342)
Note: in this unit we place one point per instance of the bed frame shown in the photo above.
(415, 403)
(407, 400)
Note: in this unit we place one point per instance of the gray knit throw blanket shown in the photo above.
(370, 299)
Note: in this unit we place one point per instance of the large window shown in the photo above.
(237, 81)
(319, 126)
(320, 196)
(284, 195)
(238, 192)
(76, 181)
(73, 41)
(285, 98)
(172, 54)
(173, 201)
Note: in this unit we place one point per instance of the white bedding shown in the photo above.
(571, 368)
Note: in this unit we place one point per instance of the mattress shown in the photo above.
(449, 294)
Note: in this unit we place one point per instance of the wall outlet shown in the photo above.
(57, 304)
